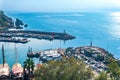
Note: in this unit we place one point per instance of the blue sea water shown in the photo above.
(103, 29)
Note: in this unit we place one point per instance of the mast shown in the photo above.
(3, 55)
(16, 57)
(29, 50)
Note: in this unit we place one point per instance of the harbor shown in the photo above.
(93, 56)
(7, 35)
(46, 55)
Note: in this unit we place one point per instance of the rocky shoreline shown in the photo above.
(95, 57)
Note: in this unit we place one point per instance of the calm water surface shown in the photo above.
(103, 29)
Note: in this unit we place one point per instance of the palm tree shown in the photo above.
(29, 67)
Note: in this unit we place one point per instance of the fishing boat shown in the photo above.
(4, 68)
(31, 54)
(17, 69)
(14, 40)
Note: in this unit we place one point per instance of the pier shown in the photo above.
(36, 34)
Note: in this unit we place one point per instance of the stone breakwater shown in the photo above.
(36, 34)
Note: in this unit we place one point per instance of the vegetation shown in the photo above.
(110, 55)
(5, 21)
(114, 70)
(28, 68)
(102, 76)
(69, 52)
(65, 69)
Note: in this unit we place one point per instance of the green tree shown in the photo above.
(5, 21)
(65, 69)
(114, 70)
(102, 76)
(29, 66)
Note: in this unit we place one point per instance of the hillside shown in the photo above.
(5, 21)
(97, 58)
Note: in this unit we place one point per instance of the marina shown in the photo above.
(46, 55)
(54, 40)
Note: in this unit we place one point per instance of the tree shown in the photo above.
(65, 69)
(102, 76)
(5, 21)
(114, 70)
(29, 67)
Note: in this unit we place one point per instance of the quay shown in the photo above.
(36, 34)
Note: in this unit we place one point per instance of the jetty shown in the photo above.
(36, 34)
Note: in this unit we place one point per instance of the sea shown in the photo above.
(102, 29)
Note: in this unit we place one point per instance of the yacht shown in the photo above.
(4, 68)
(17, 69)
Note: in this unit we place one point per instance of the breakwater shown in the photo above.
(36, 34)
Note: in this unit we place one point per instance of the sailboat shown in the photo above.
(17, 69)
(4, 68)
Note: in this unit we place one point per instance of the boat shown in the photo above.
(4, 68)
(31, 54)
(14, 40)
(48, 55)
(17, 69)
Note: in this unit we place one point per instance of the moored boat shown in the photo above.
(4, 68)
(31, 54)
(14, 40)
(17, 69)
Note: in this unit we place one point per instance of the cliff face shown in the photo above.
(5, 21)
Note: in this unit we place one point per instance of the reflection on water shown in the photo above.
(115, 23)
(22, 49)
(116, 16)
